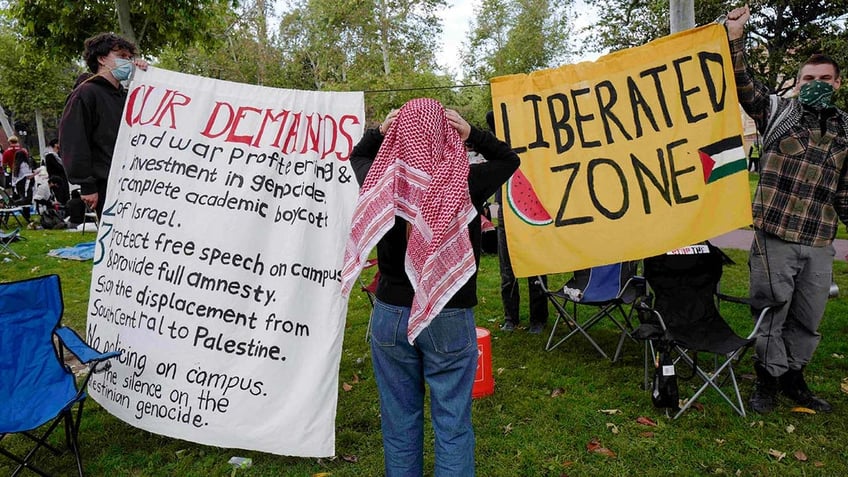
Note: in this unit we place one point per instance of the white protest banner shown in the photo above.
(217, 263)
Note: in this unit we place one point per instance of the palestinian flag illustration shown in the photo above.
(723, 158)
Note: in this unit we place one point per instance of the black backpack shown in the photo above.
(51, 220)
(664, 393)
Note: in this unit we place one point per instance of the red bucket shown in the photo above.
(484, 382)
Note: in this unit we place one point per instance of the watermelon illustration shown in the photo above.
(523, 201)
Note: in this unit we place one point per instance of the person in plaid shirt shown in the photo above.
(801, 196)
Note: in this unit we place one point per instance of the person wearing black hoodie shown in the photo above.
(89, 126)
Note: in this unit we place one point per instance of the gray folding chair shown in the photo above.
(6, 239)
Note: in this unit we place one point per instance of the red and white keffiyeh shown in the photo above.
(421, 175)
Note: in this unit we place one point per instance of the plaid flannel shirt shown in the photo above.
(803, 188)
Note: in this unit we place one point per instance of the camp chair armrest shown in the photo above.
(747, 301)
(83, 352)
(761, 316)
(733, 299)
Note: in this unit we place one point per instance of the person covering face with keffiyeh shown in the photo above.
(419, 204)
(419, 174)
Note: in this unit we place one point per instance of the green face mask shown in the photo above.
(816, 94)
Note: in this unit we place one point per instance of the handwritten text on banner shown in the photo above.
(217, 262)
(630, 156)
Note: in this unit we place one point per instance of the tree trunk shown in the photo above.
(39, 127)
(262, 39)
(681, 15)
(384, 36)
(123, 9)
(4, 120)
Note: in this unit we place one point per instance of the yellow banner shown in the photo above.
(632, 155)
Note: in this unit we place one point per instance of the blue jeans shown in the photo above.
(444, 357)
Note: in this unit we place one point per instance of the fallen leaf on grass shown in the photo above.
(777, 454)
(790, 429)
(800, 456)
(720, 442)
(500, 371)
(322, 474)
(697, 406)
(646, 421)
(844, 385)
(508, 428)
(350, 458)
(818, 463)
(646, 434)
(346, 387)
(355, 379)
(606, 452)
(803, 410)
(756, 423)
(595, 446)
(557, 392)
(838, 356)
(612, 427)
(610, 411)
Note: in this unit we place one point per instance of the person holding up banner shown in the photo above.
(89, 125)
(420, 203)
(801, 196)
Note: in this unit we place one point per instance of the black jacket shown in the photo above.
(88, 131)
(484, 179)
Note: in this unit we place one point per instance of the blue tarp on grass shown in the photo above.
(82, 251)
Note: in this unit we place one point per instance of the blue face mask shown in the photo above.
(123, 69)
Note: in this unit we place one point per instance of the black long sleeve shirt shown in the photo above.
(484, 179)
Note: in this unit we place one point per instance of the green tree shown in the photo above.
(48, 36)
(626, 24)
(62, 27)
(514, 36)
(517, 36)
(385, 48)
(33, 85)
(781, 34)
(239, 48)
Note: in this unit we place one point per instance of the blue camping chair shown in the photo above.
(605, 290)
(36, 386)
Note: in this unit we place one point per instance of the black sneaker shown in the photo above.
(764, 399)
(536, 328)
(793, 386)
(508, 326)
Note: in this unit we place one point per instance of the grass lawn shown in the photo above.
(545, 410)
